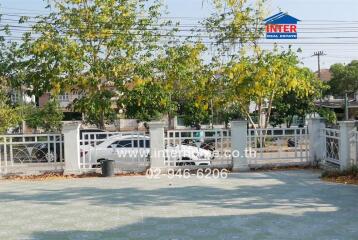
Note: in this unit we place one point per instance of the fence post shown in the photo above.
(157, 145)
(239, 146)
(345, 128)
(71, 138)
(316, 140)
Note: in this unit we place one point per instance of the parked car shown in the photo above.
(91, 133)
(208, 143)
(137, 148)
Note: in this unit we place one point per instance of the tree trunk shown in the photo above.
(170, 118)
(101, 121)
(269, 110)
(259, 114)
(289, 121)
(267, 120)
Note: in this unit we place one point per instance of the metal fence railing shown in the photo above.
(30, 151)
(129, 150)
(277, 146)
(331, 145)
(202, 148)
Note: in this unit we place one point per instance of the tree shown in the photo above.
(290, 105)
(269, 77)
(236, 25)
(344, 78)
(9, 117)
(186, 79)
(193, 113)
(179, 83)
(90, 46)
(48, 118)
(147, 101)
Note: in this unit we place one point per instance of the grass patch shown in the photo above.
(349, 176)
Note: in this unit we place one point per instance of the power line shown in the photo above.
(175, 34)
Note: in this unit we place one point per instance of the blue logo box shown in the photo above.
(281, 35)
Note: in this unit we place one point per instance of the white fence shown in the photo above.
(340, 145)
(129, 150)
(331, 138)
(278, 146)
(31, 153)
(206, 148)
(217, 148)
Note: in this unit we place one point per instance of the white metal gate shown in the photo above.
(277, 146)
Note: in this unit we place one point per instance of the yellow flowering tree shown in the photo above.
(269, 77)
(92, 47)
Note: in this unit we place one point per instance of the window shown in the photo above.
(142, 143)
(122, 144)
(63, 98)
(147, 144)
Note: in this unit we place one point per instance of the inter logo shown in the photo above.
(281, 26)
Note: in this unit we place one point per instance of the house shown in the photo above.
(337, 104)
(19, 96)
(325, 75)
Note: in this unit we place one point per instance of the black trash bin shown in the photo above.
(107, 168)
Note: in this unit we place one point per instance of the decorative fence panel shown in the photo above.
(31, 153)
(331, 138)
(201, 148)
(277, 146)
(129, 150)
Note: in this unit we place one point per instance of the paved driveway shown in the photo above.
(274, 205)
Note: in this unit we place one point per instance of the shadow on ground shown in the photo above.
(259, 226)
(275, 205)
(290, 188)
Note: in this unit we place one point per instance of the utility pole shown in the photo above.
(318, 54)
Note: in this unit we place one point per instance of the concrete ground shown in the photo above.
(262, 205)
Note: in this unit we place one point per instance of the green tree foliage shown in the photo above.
(48, 118)
(236, 24)
(291, 105)
(193, 113)
(147, 101)
(186, 79)
(269, 77)
(180, 83)
(91, 46)
(344, 78)
(9, 117)
(328, 114)
(112, 53)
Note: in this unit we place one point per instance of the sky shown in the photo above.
(326, 25)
